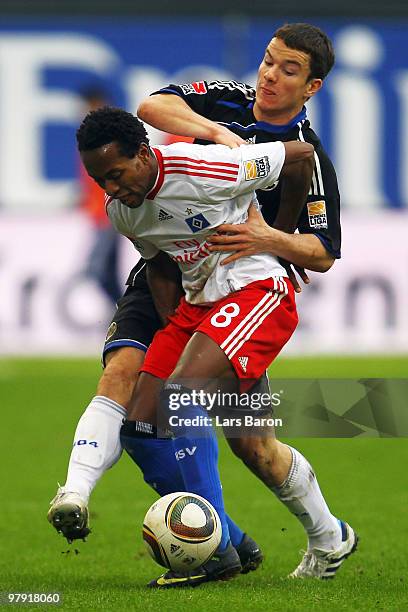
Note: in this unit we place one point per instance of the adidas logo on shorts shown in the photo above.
(164, 216)
(243, 361)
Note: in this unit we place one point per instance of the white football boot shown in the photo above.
(323, 564)
(69, 515)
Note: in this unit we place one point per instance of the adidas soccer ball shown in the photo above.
(181, 531)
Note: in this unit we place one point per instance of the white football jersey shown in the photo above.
(197, 189)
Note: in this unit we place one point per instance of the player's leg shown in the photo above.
(213, 353)
(286, 472)
(97, 437)
(161, 360)
(208, 356)
(246, 318)
(140, 440)
(97, 444)
(155, 456)
(289, 475)
(196, 446)
(196, 450)
(291, 478)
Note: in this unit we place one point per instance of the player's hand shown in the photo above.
(250, 238)
(291, 269)
(243, 240)
(224, 136)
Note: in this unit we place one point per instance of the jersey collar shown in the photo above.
(280, 129)
(160, 175)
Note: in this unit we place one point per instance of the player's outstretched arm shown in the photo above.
(169, 113)
(164, 278)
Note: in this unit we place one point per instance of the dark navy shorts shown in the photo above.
(136, 320)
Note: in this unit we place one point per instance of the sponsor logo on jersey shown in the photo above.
(164, 215)
(256, 168)
(111, 330)
(197, 223)
(317, 214)
(188, 211)
(243, 361)
(190, 257)
(198, 87)
(187, 244)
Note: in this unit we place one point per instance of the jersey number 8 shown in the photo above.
(223, 317)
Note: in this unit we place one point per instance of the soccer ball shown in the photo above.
(181, 531)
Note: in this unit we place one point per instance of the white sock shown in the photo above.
(96, 445)
(302, 496)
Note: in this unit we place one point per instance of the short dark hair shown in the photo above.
(313, 41)
(110, 124)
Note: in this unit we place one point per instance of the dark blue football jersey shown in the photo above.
(230, 103)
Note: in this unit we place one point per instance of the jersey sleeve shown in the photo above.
(203, 96)
(321, 214)
(217, 172)
(196, 95)
(260, 166)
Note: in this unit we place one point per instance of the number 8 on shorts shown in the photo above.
(224, 316)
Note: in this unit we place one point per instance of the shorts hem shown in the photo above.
(116, 344)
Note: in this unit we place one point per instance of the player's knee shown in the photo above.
(255, 451)
(120, 375)
(239, 447)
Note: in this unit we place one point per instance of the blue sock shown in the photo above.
(197, 452)
(154, 456)
(235, 532)
(161, 471)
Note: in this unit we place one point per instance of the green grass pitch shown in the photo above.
(365, 482)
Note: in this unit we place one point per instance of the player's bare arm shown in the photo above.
(164, 278)
(170, 113)
(286, 221)
(293, 178)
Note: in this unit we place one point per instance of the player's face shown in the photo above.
(124, 178)
(283, 84)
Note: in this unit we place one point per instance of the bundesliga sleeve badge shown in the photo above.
(317, 214)
(256, 168)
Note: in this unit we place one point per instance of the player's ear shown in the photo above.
(313, 86)
(144, 152)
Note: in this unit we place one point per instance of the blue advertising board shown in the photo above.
(361, 114)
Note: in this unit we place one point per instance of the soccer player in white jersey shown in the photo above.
(168, 195)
